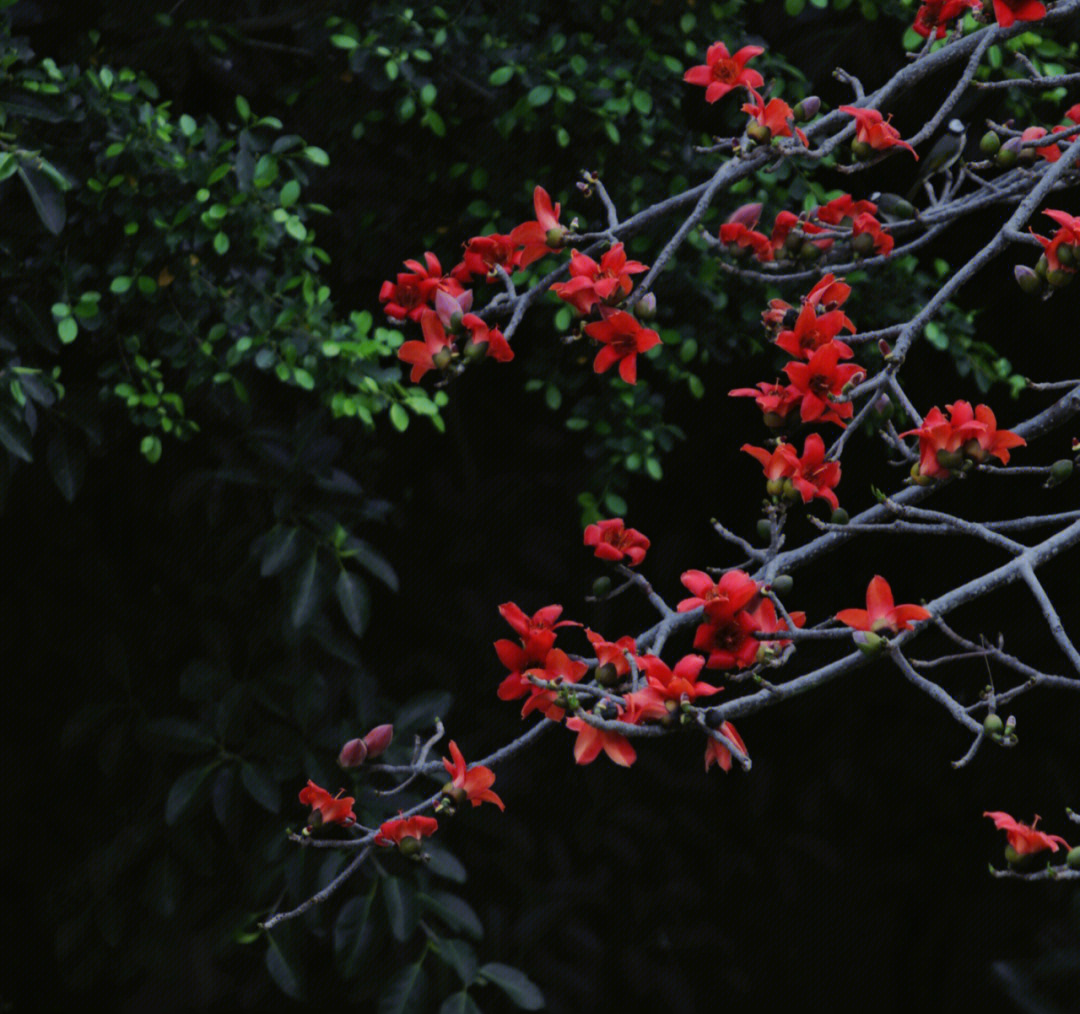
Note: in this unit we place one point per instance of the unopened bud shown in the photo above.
(869, 643)
(645, 308)
(807, 108)
(788, 490)
(990, 143)
(353, 754)
(1061, 470)
(1042, 265)
(1058, 279)
(840, 516)
(783, 584)
(993, 725)
(1009, 154)
(747, 215)
(1027, 279)
(918, 478)
(378, 739)
(774, 487)
(601, 586)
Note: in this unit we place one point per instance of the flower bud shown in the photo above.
(990, 143)
(993, 725)
(806, 109)
(353, 754)
(378, 740)
(1027, 279)
(1061, 470)
(601, 586)
(863, 243)
(1072, 860)
(860, 149)
(869, 643)
(645, 308)
(839, 516)
(442, 358)
(783, 584)
(607, 675)
(1009, 154)
(747, 215)
(1042, 265)
(759, 132)
(764, 530)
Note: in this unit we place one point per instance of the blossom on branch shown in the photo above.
(1023, 837)
(1009, 11)
(820, 381)
(742, 238)
(544, 235)
(934, 15)
(814, 476)
(483, 254)
(623, 338)
(395, 832)
(591, 740)
(774, 400)
(558, 668)
(717, 753)
(875, 131)
(721, 599)
(774, 118)
(1068, 236)
(411, 294)
(614, 541)
(434, 352)
(880, 613)
(471, 784)
(722, 72)
(327, 809)
(813, 330)
(944, 443)
(591, 283)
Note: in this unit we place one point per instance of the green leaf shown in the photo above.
(459, 1003)
(183, 792)
(553, 397)
(461, 957)
(374, 563)
(401, 908)
(794, 7)
(282, 972)
(642, 102)
(177, 735)
(305, 594)
(243, 108)
(354, 932)
(68, 330)
(279, 551)
(261, 786)
(452, 910)
(46, 197)
(221, 243)
(540, 95)
(405, 992)
(290, 194)
(399, 418)
(522, 991)
(344, 41)
(445, 864)
(151, 448)
(317, 155)
(500, 76)
(67, 464)
(120, 284)
(352, 596)
(15, 441)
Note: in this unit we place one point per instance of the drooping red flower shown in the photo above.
(393, 832)
(498, 348)
(591, 740)
(717, 753)
(721, 72)
(422, 354)
(1050, 152)
(843, 207)
(616, 654)
(814, 476)
(558, 668)
(819, 381)
(967, 432)
(721, 599)
(475, 782)
(1067, 235)
(614, 541)
(327, 809)
(934, 15)
(868, 225)
(410, 295)
(783, 225)
(483, 254)
(876, 131)
(591, 283)
(880, 613)
(779, 463)
(776, 116)
(542, 236)
(765, 621)
(736, 234)
(813, 330)
(1008, 12)
(680, 683)
(774, 400)
(1023, 837)
(623, 338)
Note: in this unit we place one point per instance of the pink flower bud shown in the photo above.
(747, 215)
(645, 308)
(353, 754)
(378, 739)
(807, 109)
(448, 307)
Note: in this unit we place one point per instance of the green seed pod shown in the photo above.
(840, 516)
(764, 530)
(1007, 157)
(990, 143)
(993, 725)
(783, 584)
(1061, 470)
(860, 149)
(601, 586)
(607, 675)
(1072, 860)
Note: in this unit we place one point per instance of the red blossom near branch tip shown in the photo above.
(414, 290)
(680, 683)
(483, 254)
(613, 541)
(776, 116)
(738, 235)
(720, 599)
(422, 354)
(819, 381)
(392, 832)
(1067, 235)
(475, 782)
(774, 400)
(591, 740)
(779, 463)
(623, 338)
(814, 476)
(729, 645)
(876, 131)
(1009, 11)
(617, 654)
(591, 283)
(717, 753)
(327, 809)
(934, 15)
(967, 432)
(722, 72)
(558, 668)
(542, 236)
(1023, 837)
(813, 330)
(880, 613)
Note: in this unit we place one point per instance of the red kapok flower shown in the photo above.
(774, 400)
(840, 208)
(327, 809)
(613, 541)
(819, 381)
(967, 431)
(498, 348)
(876, 131)
(1067, 235)
(775, 116)
(816, 477)
(731, 644)
(414, 290)
(717, 753)
(880, 614)
(765, 621)
(813, 330)
(422, 354)
(591, 283)
(868, 225)
(776, 464)
(542, 236)
(1023, 837)
(616, 654)
(680, 683)
(623, 338)
(934, 15)
(483, 254)
(738, 235)
(393, 832)
(591, 740)
(721, 72)
(721, 599)
(474, 782)
(1050, 152)
(1073, 113)
(1009, 11)
(558, 668)
(984, 438)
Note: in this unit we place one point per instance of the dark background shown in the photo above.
(851, 861)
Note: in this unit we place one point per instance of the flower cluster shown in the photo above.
(613, 541)
(966, 437)
(790, 476)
